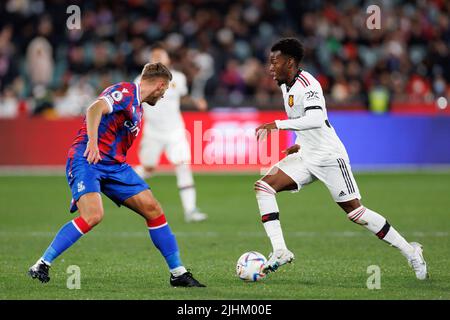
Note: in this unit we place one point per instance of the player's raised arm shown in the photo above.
(93, 117)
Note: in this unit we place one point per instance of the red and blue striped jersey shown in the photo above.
(119, 128)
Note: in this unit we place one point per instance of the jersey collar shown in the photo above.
(138, 93)
(289, 86)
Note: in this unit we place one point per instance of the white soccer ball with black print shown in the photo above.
(250, 265)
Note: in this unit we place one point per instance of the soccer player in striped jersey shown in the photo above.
(96, 163)
(318, 154)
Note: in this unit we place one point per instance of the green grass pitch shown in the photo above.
(118, 261)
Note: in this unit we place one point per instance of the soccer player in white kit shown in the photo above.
(318, 154)
(164, 131)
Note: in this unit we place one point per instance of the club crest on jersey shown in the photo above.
(291, 100)
(117, 96)
(133, 127)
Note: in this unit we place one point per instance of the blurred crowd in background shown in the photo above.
(222, 46)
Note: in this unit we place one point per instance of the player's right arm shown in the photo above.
(312, 119)
(93, 117)
(313, 102)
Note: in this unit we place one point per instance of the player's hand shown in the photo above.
(292, 149)
(261, 131)
(92, 152)
(201, 104)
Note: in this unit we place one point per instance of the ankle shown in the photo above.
(178, 271)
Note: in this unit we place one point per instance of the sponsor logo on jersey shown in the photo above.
(132, 127)
(291, 100)
(312, 95)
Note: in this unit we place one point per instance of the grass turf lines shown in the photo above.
(118, 261)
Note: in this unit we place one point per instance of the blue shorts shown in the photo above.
(118, 181)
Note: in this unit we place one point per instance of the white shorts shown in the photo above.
(337, 176)
(174, 144)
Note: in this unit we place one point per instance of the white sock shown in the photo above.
(378, 225)
(396, 240)
(275, 233)
(268, 208)
(185, 182)
(178, 271)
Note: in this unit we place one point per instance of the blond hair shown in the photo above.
(156, 70)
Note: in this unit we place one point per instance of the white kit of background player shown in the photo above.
(164, 131)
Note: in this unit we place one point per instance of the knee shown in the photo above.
(262, 187)
(355, 215)
(94, 216)
(152, 210)
(350, 206)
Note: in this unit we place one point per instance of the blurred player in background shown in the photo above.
(96, 163)
(317, 155)
(164, 131)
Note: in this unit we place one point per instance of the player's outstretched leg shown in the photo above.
(91, 213)
(185, 182)
(266, 190)
(162, 237)
(378, 225)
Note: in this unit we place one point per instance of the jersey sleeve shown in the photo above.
(313, 99)
(312, 120)
(118, 97)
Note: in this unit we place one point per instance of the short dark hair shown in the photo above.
(290, 47)
(158, 45)
(156, 70)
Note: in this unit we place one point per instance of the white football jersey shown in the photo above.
(165, 115)
(320, 145)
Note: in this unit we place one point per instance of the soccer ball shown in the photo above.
(249, 266)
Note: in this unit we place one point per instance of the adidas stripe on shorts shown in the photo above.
(336, 175)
